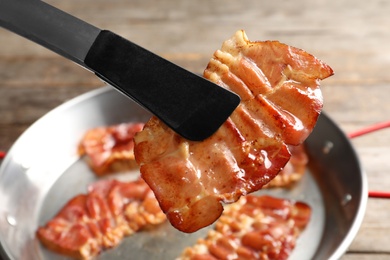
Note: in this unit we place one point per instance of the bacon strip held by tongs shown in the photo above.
(280, 104)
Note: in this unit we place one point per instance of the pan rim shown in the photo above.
(337, 253)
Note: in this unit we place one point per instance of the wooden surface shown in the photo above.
(352, 36)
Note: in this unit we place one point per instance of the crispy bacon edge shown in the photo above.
(281, 101)
(255, 227)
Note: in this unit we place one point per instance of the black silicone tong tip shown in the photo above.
(191, 105)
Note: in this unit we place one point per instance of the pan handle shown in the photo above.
(367, 130)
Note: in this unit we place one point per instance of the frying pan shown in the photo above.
(42, 171)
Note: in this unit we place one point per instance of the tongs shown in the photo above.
(189, 104)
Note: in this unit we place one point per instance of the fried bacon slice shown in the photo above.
(253, 228)
(110, 149)
(90, 223)
(280, 104)
(293, 171)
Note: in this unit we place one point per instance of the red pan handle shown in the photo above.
(367, 130)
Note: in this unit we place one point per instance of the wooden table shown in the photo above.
(352, 36)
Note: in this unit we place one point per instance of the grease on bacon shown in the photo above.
(90, 223)
(261, 227)
(280, 103)
(293, 171)
(109, 149)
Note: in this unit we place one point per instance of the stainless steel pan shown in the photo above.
(42, 171)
